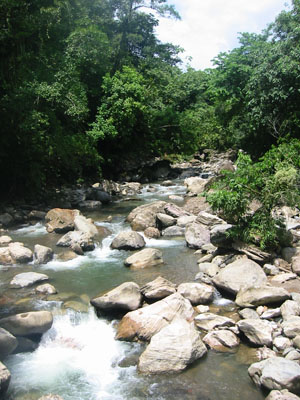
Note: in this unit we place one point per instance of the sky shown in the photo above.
(208, 27)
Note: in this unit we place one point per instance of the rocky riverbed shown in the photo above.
(171, 295)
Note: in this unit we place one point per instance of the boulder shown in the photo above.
(35, 322)
(19, 253)
(172, 349)
(291, 326)
(196, 236)
(149, 320)
(208, 219)
(252, 252)
(175, 211)
(240, 274)
(164, 220)
(222, 340)
(210, 269)
(102, 196)
(276, 373)
(194, 205)
(210, 321)
(126, 297)
(173, 231)
(195, 185)
(281, 395)
(77, 241)
(43, 254)
(253, 297)
(158, 289)
(85, 225)
(257, 331)
(152, 233)
(25, 345)
(128, 241)
(197, 293)
(247, 313)
(144, 258)
(186, 220)
(289, 308)
(5, 240)
(289, 252)
(45, 289)
(90, 205)
(8, 343)
(5, 256)
(37, 215)
(26, 279)
(282, 343)
(6, 220)
(144, 216)
(61, 220)
(4, 379)
(219, 235)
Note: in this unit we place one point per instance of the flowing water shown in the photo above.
(78, 358)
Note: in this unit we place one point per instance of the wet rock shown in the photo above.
(5, 240)
(158, 289)
(51, 397)
(291, 327)
(43, 254)
(210, 269)
(164, 220)
(8, 343)
(128, 241)
(6, 220)
(25, 345)
(276, 373)
(289, 308)
(61, 220)
(167, 183)
(222, 340)
(19, 253)
(240, 274)
(281, 395)
(149, 320)
(172, 349)
(208, 219)
(144, 258)
(195, 185)
(257, 331)
(173, 231)
(210, 321)
(4, 379)
(90, 205)
(196, 236)
(126, 297)
(253, 297)
(247, 313)
(76, 306)
(185, 220)
(45, 289)
(175, 211)
(144, 216)
(67, 255)
(5, 256)
(26, 279)
(102, 196)
(152, 233)
(28, 323)
(77, 241)
(197, 293)
(218, 236)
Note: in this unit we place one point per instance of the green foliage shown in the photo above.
(271, 182)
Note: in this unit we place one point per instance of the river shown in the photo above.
(78, 358)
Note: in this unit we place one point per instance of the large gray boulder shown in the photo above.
(196, 235)
(149, 320)
(144, 258)
(144, 216)
(276, 373)
(259, 332)
(128, 241)
(28, 323)
(175, 211)
(164, 220)
(4, 379)
(253, 297)
(209, 321)
(8, 343)
(85, 225)
(222, 340)
(240, 274)
(126, 297)
(26, 279)
(61, 220)
(78, 241)
(19, 253)
(43, 254)
(158, 289)
(197, 293)
(172, 349)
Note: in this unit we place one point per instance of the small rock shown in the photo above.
(144, 258)
(43, 254)
(152, 233)
(197, 293)
(158, 289)
(173, 231)
(45, 289)
(248, 313)
(26, 279)
(221, 340)
(128, 241)
(289, 308)
(210, 321)
(281, 343)
(5, 240)
(257, 331)
(4, 379)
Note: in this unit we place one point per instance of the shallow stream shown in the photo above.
(78, 358)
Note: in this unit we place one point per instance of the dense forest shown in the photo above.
(86, 84)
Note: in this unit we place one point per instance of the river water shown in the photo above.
(78, 358)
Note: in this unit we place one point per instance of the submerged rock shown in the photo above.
(8, 343)
(144, 258)
(276, 373)
(28, 323)
(210, 321)
(149, 320)
(128, 241)
(172, 349)
(126, 297)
